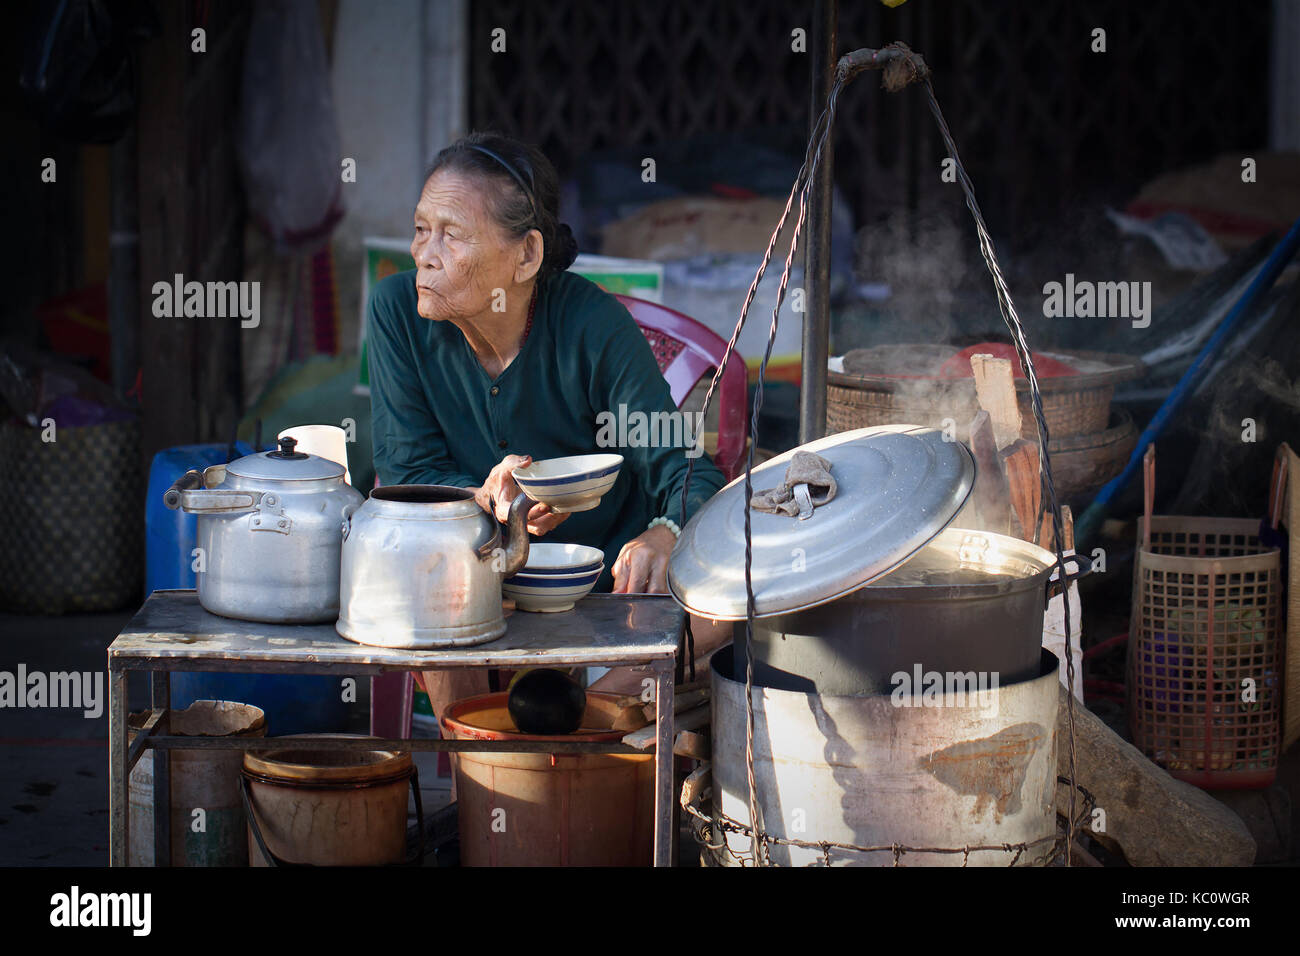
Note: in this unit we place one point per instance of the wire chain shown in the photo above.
(704, 825)
(1012, 320)
(824, 123)
(801, 188)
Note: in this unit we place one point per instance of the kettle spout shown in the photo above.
(517, 534)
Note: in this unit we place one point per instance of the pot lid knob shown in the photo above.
(286, 451)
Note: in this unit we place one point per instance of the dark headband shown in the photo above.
(514, 173)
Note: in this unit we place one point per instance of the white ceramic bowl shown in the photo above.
(548, 558)
(576, 483)
(549, 592)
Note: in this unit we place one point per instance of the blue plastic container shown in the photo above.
(170, 536)
(293, 703)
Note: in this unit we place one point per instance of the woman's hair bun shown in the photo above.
(566, 247)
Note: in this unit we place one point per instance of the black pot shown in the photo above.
(985, 616)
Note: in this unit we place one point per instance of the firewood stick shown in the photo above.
(640, 700)
(681, 702)
(995, 388)
(693, 745)
(1024, 481)
(644, 738)
(1047, 536)
(696, 783)
(988, 508)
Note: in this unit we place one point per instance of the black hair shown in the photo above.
(525, 191)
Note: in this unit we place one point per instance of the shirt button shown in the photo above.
(494, 390)
(502, 443)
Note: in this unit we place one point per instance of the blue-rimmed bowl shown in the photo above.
(576, 483)
(549, 592)
(550, 558)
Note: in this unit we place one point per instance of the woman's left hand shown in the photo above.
(642, 565)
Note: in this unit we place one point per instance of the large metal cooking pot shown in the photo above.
(268, 534)
(422, 567)
(968, 602)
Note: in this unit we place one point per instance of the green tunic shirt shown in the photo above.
(439, 418)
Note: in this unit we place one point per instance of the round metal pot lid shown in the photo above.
(898, 487)
(266, 466)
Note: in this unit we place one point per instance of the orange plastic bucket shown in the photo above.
(539, 809)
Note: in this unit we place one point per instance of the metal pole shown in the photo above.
(664, 708)
(160, 689)
(817, 256)
(118, 810)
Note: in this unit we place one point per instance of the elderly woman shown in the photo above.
(490, 355)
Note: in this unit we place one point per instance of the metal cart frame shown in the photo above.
(171, 631)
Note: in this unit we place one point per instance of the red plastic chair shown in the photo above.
(686, 351)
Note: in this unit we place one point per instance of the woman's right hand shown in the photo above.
(495, 495)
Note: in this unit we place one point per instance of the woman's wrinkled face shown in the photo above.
(461, 254)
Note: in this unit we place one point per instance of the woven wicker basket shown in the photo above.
(1290, 507)
(1083, 463)
(1205, 662)
(71, 518)
(869, 392)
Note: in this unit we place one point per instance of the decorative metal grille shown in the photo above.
(1028, 100)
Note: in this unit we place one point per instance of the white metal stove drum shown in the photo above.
(901, 693)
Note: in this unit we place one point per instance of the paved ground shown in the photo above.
(54, 762)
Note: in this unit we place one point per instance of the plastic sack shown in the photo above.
(35, 385)
(1054, 634)
(289, 152)
(79, 69)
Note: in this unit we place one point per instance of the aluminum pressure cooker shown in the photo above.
(270, 532)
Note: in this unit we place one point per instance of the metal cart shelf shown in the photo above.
(173, 632)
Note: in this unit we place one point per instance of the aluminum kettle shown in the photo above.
(422, 567)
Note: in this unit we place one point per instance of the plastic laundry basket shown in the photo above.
(1205, 661)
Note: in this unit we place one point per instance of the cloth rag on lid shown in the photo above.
(813, 472)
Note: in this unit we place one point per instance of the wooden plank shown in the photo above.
(638, 700)
(691, 744)
(1046, 537)
(995, 387)
(191, 221)
(1024, 483)
(989, 508)
(681, 702)
(696, 783)
(644, 738)
(167, 345)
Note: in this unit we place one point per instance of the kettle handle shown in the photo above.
(516, 534)
(195, 493)
(349, 510)
(189, 481)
